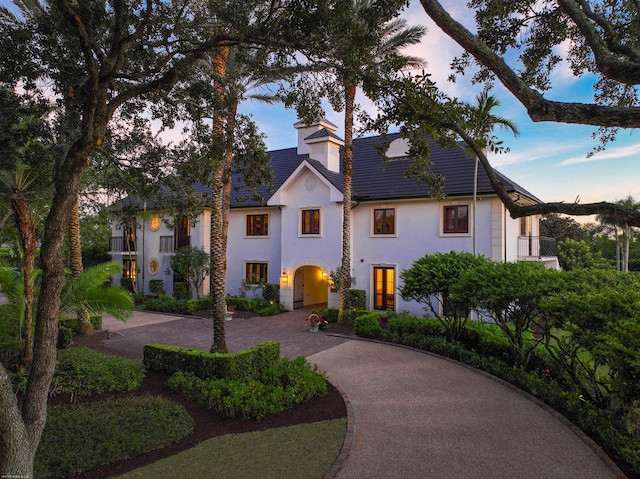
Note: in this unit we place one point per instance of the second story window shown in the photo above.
(455, 219)
(258, 225)
(384, 221)
(310, 222)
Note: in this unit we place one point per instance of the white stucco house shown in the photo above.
(295, 238)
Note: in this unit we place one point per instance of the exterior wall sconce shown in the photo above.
(167, 271)
(139, 226)
(193, 224)
(284, 278)
(118, 226)
(324, 275)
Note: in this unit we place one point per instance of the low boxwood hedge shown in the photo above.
(246, 364)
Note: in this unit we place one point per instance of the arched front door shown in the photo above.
(310, 286)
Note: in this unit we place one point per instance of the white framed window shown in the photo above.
(154, 266)
(256, 272)
(455, 219)
(257, 225)
(383, 222)
(310, 222)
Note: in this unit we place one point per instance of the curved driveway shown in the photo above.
(422, 416)
(416, 415)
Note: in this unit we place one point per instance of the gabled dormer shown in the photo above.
(320, 142)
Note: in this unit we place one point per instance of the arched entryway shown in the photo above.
(310, 286)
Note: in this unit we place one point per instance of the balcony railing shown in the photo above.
(117, 244)
(536, 247)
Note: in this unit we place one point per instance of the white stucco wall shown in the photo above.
(253, 249)
(418, 232)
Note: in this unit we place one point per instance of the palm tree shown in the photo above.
(82, 294)
(614, 223)
(234, 72)
(482, 124)
(365, 37)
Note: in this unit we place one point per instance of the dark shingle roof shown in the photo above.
(375, 179)
(323, 133)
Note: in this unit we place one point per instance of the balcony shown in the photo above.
(117, 244)
(537, 247)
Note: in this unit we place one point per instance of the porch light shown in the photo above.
(284, 278)
(324, 275)
(193, 224)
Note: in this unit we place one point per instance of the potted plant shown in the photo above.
(315, 322)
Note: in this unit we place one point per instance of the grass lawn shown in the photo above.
(300, 452)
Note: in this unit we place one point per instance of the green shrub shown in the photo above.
(81, 437)
(486, 338)
(96, 321)
(260, 306)
(182, 291)
(357, 299)
(202, 304)
(127, 284)
(166, 304)
(271, 292)
(399, 326)
(367, 325)
(271, 309)
(65, 337)
(156, 286)
(83, 371)
(239, 303)
(351, 314)
(246, 364)
(329, 314)
(282, 386)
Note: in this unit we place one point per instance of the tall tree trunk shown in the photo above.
(21, 427)
(347, 172)
(75, 261)
(627, 243)
(218, 243)
(27, 233)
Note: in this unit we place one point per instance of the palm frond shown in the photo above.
(88, 292)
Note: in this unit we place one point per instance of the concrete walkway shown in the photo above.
(415, 415)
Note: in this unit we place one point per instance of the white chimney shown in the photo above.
(320, 142)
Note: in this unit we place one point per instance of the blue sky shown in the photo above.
(548, 159)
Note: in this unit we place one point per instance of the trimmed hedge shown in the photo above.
(166, 304)
(246, 364)
(282, 386)
(260, 306)
(70, 327)
(202, 304)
